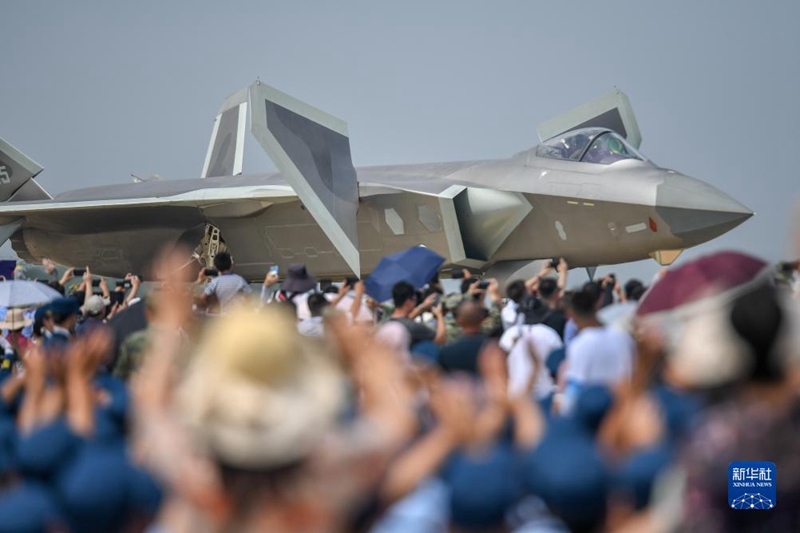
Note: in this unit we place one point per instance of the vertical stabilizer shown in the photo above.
(16, 170)
(226, 148)
(312, 151)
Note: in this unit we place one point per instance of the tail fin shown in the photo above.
(312, 151)
(612, 111)
(16, 173)
(226, 148)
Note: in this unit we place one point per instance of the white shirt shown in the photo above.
(509, 315)
(312, 327)
(600, 356)
(517, 341)
(303, 313)
(227, 288)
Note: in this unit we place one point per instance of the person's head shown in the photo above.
(56, 286)
(516, 290)
(548, 289)
(65, 312)
(48, 265)
(317, 303)
(95, 307)
(757, 319)
(466, 283)
(595, 290)
(634, 289)
(404, 296)
(14, 321)
(42, 320)
(248, 367)
(582, 307)
(223, 262)
(470, 315)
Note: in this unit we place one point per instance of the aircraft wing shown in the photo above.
(148, 197)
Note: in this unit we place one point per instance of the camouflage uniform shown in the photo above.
(452, 329)
(131, 354)
(491, 324)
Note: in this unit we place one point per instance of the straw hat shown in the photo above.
(15, 320)
(255, 394)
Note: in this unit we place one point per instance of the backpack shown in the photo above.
(533, 310)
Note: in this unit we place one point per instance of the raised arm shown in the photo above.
(68, 275)
(104, 288)
(427, 304)
(563, 270)
(533, 283)
(453, 407)
(83, 358)
(441, 325)
(135, 283)
(358, 297)
(269, 281)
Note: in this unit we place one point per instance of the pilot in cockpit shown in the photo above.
(574, 145)
(606, 149)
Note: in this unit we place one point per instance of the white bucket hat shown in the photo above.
(256, 394)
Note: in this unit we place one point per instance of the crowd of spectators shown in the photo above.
(544, 405)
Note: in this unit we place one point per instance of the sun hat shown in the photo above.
(298, 279)
(256, 395)
(15, 320)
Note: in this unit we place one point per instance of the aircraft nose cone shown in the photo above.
(695, 211)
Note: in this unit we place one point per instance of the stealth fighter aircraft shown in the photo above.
(585, 193)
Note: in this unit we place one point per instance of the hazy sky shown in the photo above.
(95, 91)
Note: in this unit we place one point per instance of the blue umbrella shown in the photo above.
(417, 266)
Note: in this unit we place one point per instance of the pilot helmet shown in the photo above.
(615, 146)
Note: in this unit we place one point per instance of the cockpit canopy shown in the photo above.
(589, 145)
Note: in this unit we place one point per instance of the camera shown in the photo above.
(211, 272)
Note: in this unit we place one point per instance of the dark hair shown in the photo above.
(38, 322)
(637, 293)
(592, 289)
(516, 290)
(403, 292)
(317, 303)
(547, 288)
(466, 283)
(56, 286)
(223, 261)
(583, 303)
(756, 318)
(634, 289)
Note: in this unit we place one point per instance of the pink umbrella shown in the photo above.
(719, 274)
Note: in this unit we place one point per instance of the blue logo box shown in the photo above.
(752, 485)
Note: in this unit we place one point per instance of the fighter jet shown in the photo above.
(586, 193)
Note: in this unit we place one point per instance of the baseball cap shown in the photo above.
(95, 305)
